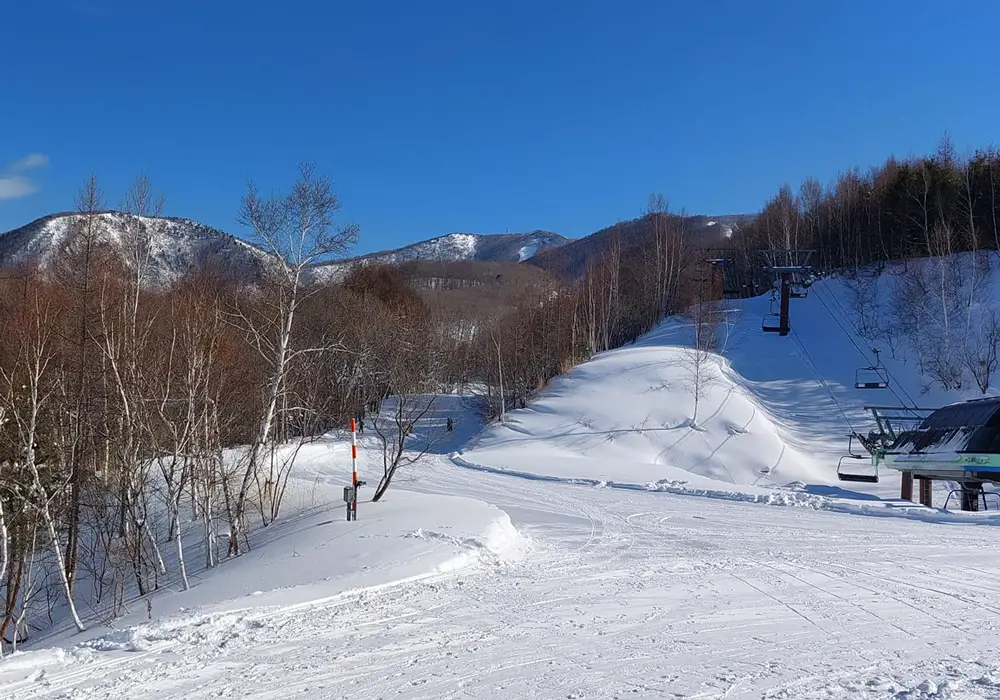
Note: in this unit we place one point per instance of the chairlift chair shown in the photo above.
(771, 323)
(798, 291)
(873, 377)
(858, 476)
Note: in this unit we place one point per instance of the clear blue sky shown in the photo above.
(480, 115)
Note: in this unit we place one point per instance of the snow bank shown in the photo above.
(312, 556)
(626, 417)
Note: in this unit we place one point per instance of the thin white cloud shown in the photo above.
(14, 185)
(29, 162)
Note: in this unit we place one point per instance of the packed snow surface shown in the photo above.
(630, 548)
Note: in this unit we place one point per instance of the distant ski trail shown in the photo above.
(625, 594)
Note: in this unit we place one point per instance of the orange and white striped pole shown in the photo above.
(354, 453)
(354, 465)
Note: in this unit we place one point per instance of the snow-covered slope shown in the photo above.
(175, 245)
(500, 247)
(773, 411)
(310, 554)
(629, 588)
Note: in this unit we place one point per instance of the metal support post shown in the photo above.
(971, 494)
(786, 291)
(351, 499)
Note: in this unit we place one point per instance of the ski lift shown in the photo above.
(798, 291)
(873, 377)
(771, 323)
(772, 319)
(856, 475)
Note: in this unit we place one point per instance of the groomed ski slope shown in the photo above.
(623, 594)
(647, 562)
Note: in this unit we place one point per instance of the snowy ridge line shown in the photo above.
(788, 496)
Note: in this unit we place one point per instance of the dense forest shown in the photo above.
(130, 417)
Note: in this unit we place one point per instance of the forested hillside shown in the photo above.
(895, 231)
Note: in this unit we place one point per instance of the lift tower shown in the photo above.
(789, 268)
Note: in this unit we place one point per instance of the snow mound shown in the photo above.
(311, 558)
(500, 544)
(626, 417)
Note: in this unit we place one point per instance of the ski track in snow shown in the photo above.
(624, 594)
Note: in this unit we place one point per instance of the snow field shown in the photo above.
(311, 556)
(623, 594)
(594, 573)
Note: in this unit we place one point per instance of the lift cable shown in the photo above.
(864, 354)
(822, 379)
(888, 372)
(847, 317)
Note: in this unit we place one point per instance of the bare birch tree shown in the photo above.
(298, 230)
(28, 384)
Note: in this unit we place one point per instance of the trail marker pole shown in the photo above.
(354, 453)
(351, 492)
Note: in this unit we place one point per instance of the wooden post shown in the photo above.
(906, 487)
(927, 493)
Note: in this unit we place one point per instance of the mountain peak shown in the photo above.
(175, 245)
(496, 247)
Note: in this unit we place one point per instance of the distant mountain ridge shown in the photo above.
(175, 245)
(572, 259)
(456, 247)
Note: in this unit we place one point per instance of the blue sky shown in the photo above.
(480, 116)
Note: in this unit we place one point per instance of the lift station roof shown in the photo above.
(961, 439)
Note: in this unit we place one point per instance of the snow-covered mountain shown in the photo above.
(509, 247)
(573, 258)
(174, 245)
(177, 245)
(499, 247)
